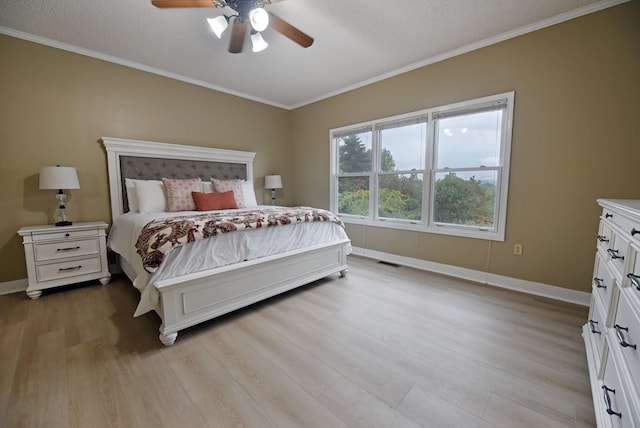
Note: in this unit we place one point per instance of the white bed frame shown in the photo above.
(191, 299)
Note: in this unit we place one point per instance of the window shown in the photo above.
(441, 170)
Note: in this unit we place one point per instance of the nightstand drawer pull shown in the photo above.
(621, 339)
(608, 215)
(70, 268)
(602, 238)
(598, 283)
(593, 324)
(607, 401)
(635, 280)
(59, 250)
(614, 254)
(634, 231)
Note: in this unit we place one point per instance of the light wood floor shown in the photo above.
(383, 347)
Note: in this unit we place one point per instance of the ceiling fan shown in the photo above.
(243, 14)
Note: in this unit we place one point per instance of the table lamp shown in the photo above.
(61, 178)
(273, 182)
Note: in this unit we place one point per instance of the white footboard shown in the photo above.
(195, 298)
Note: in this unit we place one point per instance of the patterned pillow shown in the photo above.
(226, 185)
(178, 192)
(214, 201)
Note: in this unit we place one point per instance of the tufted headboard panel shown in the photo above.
(146, 160)
(144, 168)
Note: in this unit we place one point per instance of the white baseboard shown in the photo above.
(529, 287)
(13, 286)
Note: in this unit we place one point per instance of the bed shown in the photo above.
(210, 277)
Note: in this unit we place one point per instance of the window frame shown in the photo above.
(427, 224)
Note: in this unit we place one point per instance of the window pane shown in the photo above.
(354, 152)
(400, 196)
(403, 148)
(353, 195)
(466, 198)
(469, 140)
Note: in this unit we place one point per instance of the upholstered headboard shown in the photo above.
(147, 160)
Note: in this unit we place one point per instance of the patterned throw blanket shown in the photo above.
(160, 236)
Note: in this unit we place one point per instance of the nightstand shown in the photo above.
(61, 255)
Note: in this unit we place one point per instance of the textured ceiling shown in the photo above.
(356, 41)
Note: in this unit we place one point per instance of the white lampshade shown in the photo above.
(259, 19)
(258, 43)
(218, 24)
(59, 177)
(273, 182)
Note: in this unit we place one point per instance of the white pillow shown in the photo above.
(207, 187)
(249, 194)
(132, 198)
(151, 196)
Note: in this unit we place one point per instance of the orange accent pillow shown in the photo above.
(214, 201)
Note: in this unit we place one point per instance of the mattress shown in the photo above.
(221, 250)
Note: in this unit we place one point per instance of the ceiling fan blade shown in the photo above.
(238, 32)
(183, 3)
(288, 30)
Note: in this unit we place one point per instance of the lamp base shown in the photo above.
(63, 223)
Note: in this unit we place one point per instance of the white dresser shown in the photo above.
(61, 255)
(612, 333)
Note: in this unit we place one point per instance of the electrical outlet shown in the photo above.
(517, 249)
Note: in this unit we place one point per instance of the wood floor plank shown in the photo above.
(431, 410)
(359, 409)
(286, 403)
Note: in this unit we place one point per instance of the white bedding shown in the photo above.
(221, 250)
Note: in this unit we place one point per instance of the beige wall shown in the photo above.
(55, 105)
(575, 139)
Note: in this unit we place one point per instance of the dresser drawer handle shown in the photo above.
(602, 238)
(607, 401)
(593, 324)
(634, 231)
(608, 215)
(598, 283)
(635, 280)
(621, 339)
(614, 254)
(70, 268)
(59, 250)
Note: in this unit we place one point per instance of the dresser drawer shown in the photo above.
(614, 397)
(603, 282)
(71, 248)
(604, 236)
(68, 234)
(633, 277)
(627, 331)
(597, 329)
(617, 254)
(53, 271)
(619, 220)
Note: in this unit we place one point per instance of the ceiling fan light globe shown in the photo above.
(258, 43)
(259, 19)
(218, 25)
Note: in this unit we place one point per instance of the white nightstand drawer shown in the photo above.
(59, 250)
(53, 271)
(64, 234)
